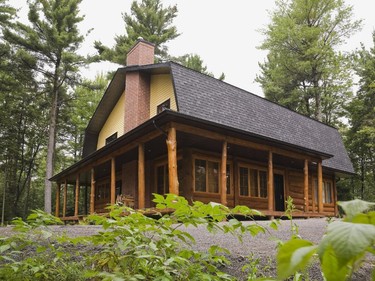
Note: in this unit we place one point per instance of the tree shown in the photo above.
(49, 47)
(149, 20)
(76, 115)
(195, 62)
(304, 71)
(361, 134)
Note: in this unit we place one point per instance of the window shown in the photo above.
(111, 138)
(206, 176)
(102, 191)
(327, 191)
(163, 106)
(253, 182)
(162, 178)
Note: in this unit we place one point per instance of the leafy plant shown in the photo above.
(342, 248)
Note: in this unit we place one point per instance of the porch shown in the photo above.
(202, 163)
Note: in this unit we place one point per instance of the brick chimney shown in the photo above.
(137, 87)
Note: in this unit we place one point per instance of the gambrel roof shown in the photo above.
(210, 100)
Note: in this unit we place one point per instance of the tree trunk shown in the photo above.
(50, 153)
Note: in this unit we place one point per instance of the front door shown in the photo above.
(279, 192)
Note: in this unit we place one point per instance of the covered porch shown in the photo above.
(200, 161)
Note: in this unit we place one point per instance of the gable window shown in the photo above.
(163, 106)
(253, 182)
(111, 138)
(327, 191)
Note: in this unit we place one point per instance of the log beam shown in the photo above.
(270, 185)
(57, 206)
(92, 192)
(65, 198)
(223, 194)
(141, 176)
(306, 184)
(113, 181)
(76, 205)
(320, 187)
(172, 160)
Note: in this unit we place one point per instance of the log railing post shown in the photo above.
(92, 192)
(65, 198)
(141, 176)
(223, 194)
(320, 187)
(270, 185)
(306, 184)
(76, 205)
(113, 181)
(57, 207)
(172, 160)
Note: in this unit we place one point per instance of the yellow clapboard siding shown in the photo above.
(114, 123)
(161, 89)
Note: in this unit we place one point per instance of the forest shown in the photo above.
(46, 103)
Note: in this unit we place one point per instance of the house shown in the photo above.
(164, 128)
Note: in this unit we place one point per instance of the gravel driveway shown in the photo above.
(262, 248)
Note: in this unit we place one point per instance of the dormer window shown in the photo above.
(163, 106)
(111, 138)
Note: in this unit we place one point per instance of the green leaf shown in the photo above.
(4, 248)
(354, 207)
(348, 240)
(330, 266)
(292, 256)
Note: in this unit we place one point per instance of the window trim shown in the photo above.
(217, 160)
(111, 138)
(163, 106)
(315, 191)
(258, 169)
(164, 162)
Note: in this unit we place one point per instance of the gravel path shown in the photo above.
(262, 248)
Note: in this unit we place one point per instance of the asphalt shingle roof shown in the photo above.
(207, 98)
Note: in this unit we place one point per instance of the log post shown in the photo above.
(76, 211)
(141, 176)
(65, 198)
(320, 187)
(92, 192)
(57, 207)
(172, 160)
(270, 187)
(306, 185)
(113, 180)
(223, 194)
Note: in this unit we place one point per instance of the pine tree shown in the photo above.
(149, 20)
(49, 47)
(304, 71)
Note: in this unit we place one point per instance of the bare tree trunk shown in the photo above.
(50, 153)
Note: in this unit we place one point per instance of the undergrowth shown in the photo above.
(132, 246)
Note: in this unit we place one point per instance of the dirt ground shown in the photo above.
(261, 249)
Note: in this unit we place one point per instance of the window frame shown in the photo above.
(216, 160)
(111, 138)
(163, 106)
(249, 168)
(164, 163)
(324, 193)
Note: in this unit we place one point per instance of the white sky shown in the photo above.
(223, 32)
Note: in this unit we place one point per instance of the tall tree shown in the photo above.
(76, 115)
(149, 20)
(50, 45)
(304, 71)
(361, 135)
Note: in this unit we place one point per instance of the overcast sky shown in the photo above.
(223, 32)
